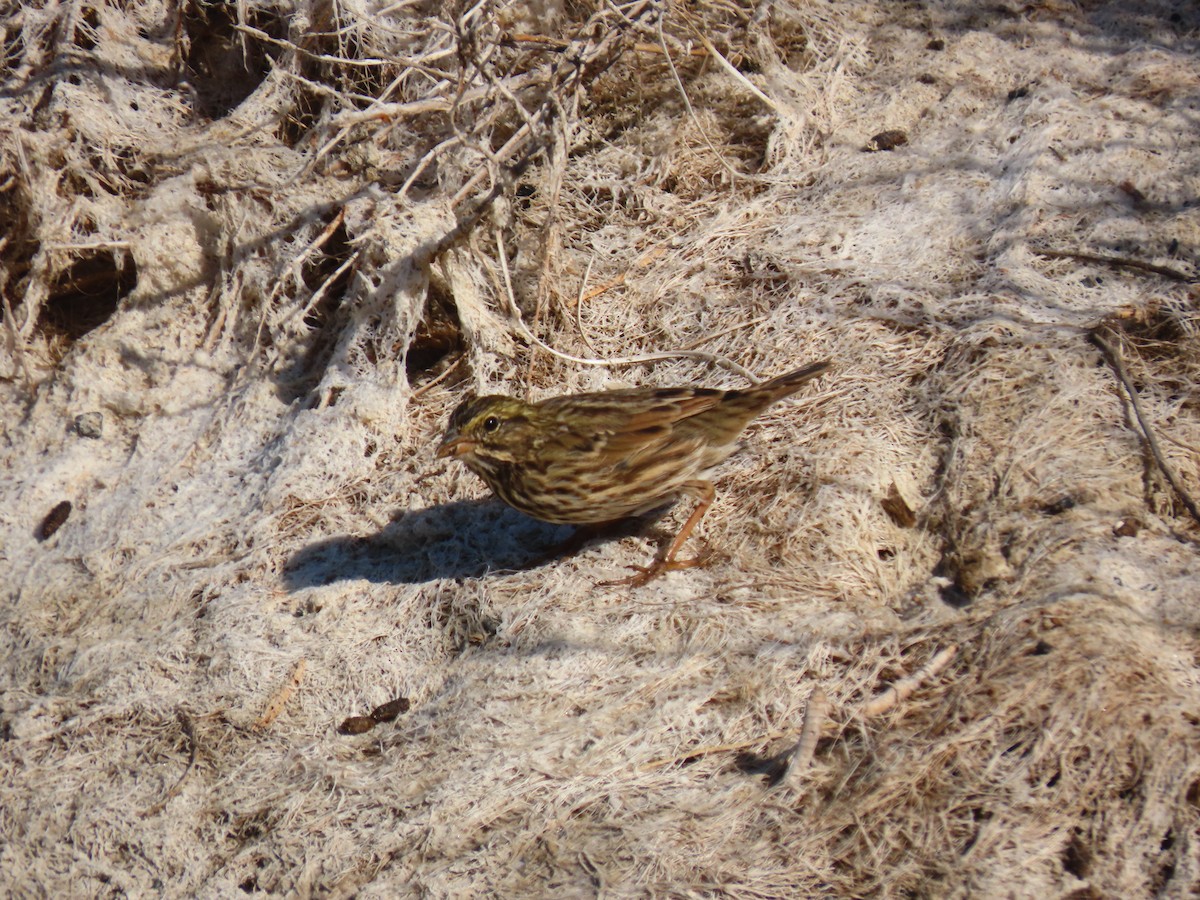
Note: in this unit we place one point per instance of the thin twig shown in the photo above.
(738, 76)
(579, 307)
(361, 62)
(189, 732)
(295, 267)
(589, 61)
(797, 758)
(435, 382)
(1178, 443)
(711, 749)
(1114, 359)
(319, 294)
(90, 245)
(711, 358)
(557, 45)
(904, 688)
(10, 321)
(411, 108)
(791, 761)
(645, 260)
(422, 164)
(721, 332)
(1121, 262)
(687, 103)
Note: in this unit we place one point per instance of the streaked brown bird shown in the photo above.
(592, 459)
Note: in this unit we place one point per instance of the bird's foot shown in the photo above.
(646, 574)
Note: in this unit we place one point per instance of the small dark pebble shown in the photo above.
(356, 725)
(926, 78)
(1018, 93)
(953, 595)
(390, 710)
(1059, 506)
(54, 520)
(89, 424)
(1127, 528)
(936, 44)
(886, 140)
(1130, 190)
(1041, 648)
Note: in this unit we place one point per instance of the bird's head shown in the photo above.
(488, 429)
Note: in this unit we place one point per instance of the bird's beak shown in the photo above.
(455, 445)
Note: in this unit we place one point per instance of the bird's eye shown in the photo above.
(490, 424)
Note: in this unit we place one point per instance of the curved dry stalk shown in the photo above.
(436, 381)
(712, 358)
(1114, 358)
(738, 76)
(687, 103)
(904, 688)
(189, 732)
(283, 695)
(587, 274)
(800, 756)
(1120, 262)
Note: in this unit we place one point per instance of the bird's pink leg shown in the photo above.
(667, 562)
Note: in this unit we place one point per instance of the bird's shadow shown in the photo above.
(462, 539)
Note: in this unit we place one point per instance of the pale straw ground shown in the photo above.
(257, 248)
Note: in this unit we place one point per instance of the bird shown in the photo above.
(596, 458)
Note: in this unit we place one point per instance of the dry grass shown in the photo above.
(271, 247)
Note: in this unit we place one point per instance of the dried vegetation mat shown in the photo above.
(254, 638)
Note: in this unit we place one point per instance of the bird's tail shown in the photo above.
(725, 421)
(749, 402)
(778, 388)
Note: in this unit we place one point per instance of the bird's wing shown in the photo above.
(629, 426)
